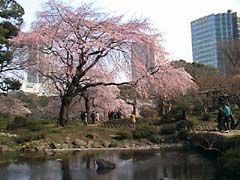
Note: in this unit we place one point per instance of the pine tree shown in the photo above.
(10, 20)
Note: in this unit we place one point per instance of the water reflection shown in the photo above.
(137, 165)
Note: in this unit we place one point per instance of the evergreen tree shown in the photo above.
(10, 20)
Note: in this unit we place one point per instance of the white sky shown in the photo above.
(170, 17)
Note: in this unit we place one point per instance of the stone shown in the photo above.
(67, 140)
(103, 164)
(96, 145)
(41, 148)
(79, 142)
(90, 136)
(54, 145)
(126, 146)
(65, 146)
(90, 144)
(50, 153)
(106, 144)
(156, 138)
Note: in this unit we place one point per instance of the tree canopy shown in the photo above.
(79, 42)
(81, 48)
(11, 18)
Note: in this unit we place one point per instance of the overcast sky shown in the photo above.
(170, 17)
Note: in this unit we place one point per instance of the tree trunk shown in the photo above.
(66, 117)
(135, 106)
(63, 113)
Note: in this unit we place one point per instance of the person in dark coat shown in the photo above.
(93, 117)
(220, 119)
(82, 116)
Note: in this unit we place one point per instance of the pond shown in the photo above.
(130, 165)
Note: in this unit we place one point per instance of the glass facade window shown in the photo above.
(210, 30)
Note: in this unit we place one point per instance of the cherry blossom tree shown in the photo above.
(152, 59)
(170, 82)
(103, 97)
(13, 107)
(164, 82)
(77, 41)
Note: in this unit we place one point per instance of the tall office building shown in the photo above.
(33, 82)
(32, 75)
(211, 31)
(143, 53)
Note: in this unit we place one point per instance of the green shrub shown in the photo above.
(3, 121)
(34, 125)
(205, 117)
(141, 121)
(168, 129)
(29, 137)
(122, 136)
(156, 138)
(54, 131)
(197, 109)
(144, 132)
(183, 134)
(148, 112)
(113, 144)
(171, 117)
(184, 125)
(18, 122)
(46, 121)
(22, 122)
(175, 113)
(29, 146)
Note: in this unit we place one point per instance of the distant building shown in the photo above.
(210, 31)
(143, 53)
(33, 82)
(39, 89)
(32, 76)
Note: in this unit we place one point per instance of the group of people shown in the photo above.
(94, 116)
(112, 115)
(224, 117)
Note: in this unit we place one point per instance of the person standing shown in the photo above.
(86, 118)
(97, 119)
(227, 114)
(82, 116)
(220, 119)
(133, 120)
(93, 117)
(184, 117)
